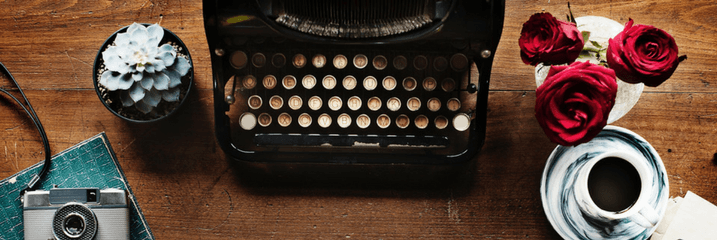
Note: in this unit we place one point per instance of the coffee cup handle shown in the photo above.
(646, 217)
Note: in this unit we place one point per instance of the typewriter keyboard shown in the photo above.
(350, 101)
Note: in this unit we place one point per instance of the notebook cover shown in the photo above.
(91, 163)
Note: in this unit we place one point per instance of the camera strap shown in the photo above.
(33, 117)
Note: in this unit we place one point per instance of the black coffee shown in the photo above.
(614, 184)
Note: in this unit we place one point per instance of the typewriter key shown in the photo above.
(269, 81)
(284, 119)
(309, 81)
(238, 60)
(329, 82)
(299, 61)
(459, 62)
(440, 64)
(264, 119)
(278, 60)
(420, 62)
(413, 104)
(400, 62)
(247, 121)
(276, 102)
(254, 102)
(363, 121)
(389, 83)
(258, 60)
(340, 61)
(349, 82)
(453, 104)
(319, 61)
(383, 121)
(409, 83)
(289, 82)
(441, 122)
(239, 40)
(304, 120)
(429, 84)
(324, 120)
(461, 122)
(360, 61)
(421, 121)
(393, 104)
(344, 120)
(335, 103)
(249, 82)
(370, 83)
(402, 121)
(448, 85)
(374, 103)
(380, 62)
(434, 104)
(315, 103)
(295, 102)
(354, 103)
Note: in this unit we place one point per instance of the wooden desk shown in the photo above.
(189, 190)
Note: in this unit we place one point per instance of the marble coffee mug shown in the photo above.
(615, 186)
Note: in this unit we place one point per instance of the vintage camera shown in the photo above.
(76, 213)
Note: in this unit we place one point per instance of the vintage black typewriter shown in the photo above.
(352, 81)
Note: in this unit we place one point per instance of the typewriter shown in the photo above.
(352, 81)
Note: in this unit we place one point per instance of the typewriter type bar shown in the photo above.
(285, 92)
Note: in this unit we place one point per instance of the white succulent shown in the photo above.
(143, 72)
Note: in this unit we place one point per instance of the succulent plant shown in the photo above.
(143, 72)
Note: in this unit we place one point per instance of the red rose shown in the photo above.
(547, 39)
(642, 53)
(573, 104)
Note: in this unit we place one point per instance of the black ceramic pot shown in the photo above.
(164, 109)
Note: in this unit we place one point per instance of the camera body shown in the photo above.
(76, 213)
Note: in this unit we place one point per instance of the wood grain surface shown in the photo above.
(188, 189)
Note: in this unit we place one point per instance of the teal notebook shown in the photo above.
(91, 163)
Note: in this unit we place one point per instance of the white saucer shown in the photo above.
(556, 186)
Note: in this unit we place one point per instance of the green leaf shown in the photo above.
(596, 44)
(586, 36)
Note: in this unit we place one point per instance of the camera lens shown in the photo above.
(74, 225)
(74, 221)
